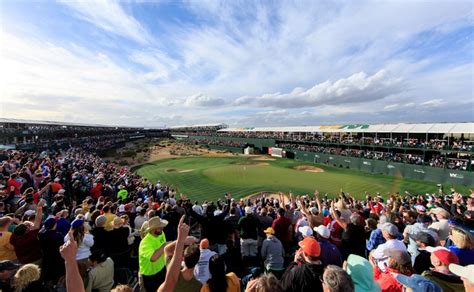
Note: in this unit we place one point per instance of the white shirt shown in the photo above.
(84, 249)
(201, 271)
(378, 253)
(197, 209)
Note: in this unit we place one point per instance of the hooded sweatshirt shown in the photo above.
(273, 253)
(362, 274)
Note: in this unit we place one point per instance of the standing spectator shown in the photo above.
(151, 254)
(201, 271)
(390, 233)
(248, 225)
(399, 262)
(282, 228)
(335, 279)
(423, 259)
(7, 251)
(410, 232)
(303, 274)
(220, 281)
(330, 254)
(119, 251)
(463, 245)
(53, 264)
(376, 237)
(272, 251)
(101, 275)
(466, 274)
(441, 258)
(442, 225)
(25, 239)
(186, 281)
(353, 236)
(362, 274)
(84, 240)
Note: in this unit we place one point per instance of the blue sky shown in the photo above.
(245, 63)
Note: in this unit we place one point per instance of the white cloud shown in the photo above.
(432, 103)
(202, 100)
(356, 88)
(110, 16)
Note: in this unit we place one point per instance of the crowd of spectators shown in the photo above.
(400, 141)
(72, 221)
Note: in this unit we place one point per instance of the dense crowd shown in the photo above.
(72, 221)
(445, 160)
(398, 141)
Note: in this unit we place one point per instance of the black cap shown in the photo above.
(8, 265)
(426, 238)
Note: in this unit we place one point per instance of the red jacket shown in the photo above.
(387, 280)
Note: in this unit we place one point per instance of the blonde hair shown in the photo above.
(122, 288)
(25, 276)
(462, 239)
(268, 283)
(340, 205)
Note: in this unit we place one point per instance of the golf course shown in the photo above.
(209, 178)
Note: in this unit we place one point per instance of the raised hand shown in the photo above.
(69, 249)
(183, 229)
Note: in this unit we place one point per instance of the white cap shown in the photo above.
(466, 272)
(248, 210)
(61, 191)
(30, 212)
(323, 231)
(305, 231)
(138, 209)
(56, 179)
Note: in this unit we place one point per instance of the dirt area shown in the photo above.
(252, 163)
(308, 168)
(174, 149)
(179, 171)
(264, 158)
(267, 195)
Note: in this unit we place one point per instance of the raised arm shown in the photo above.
(68, 251)
(175, 263)
(337, 218)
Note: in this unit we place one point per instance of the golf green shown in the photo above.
(209, 178)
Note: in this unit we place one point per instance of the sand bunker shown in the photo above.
(308, 168)
(178, 170)
(252, 163)
(264, 158)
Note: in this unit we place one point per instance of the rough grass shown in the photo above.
(212, 177)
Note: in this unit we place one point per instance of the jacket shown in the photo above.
(362, 274)
(273, 253)
(449, 283)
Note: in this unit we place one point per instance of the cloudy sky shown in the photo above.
(245, 63)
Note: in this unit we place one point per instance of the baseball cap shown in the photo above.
(305, 231)
(420, 208)
(426, 238)
(441, 211)
(444, 255)
(248, 210)
(323, 231)
(8, 265)
(76, 223)
(400, 256)
(390, 229)
(310, 246)
(466, 272)
(204, 244)
(313, 210)
(30, 213)
(418, 283)
(269, 230)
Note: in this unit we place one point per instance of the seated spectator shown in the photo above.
(330, 254)
(220, 281)
(335, 279)
(101, 275)
(466, 274)
(463, 246)
(362, 274)
(272, 251)
(418, 283)
(303, 274)
(441, 258)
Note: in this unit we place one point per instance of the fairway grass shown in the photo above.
(209, 178)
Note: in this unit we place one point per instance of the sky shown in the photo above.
(243, 63)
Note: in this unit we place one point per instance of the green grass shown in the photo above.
(210, 178)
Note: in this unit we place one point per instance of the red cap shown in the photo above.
(310, 246)
(444, 255)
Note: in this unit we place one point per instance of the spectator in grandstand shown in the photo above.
(375, 234)
(186, 280)
(102, 238)
(463, 245)
(441, 258)
(303, 274)
(423, 259)
(390, 234)
(362, 274)
(330, 254)
(282, 227)
(353, 236)
(84, 239)
(441, 225)
(335, 279)
(411, 230)
(119, 251)
(399, 262)
(248, 226)
(151, 254)
(466, 273)
(101, 275)
(27, 279)
(272, 252)
(201, 271)
(219, 280)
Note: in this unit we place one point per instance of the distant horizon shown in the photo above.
(156, 63)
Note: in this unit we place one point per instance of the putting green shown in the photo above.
(208, 178)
